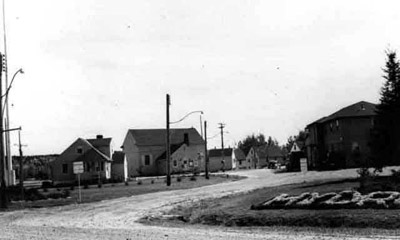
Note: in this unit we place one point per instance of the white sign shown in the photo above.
(303, 165)
(78, 167)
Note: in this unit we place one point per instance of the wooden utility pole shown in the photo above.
(205, 150)
(21, 166)
(3, 192)
(221, 126)
(167, 161)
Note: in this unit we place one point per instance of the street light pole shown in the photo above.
(168, 144)
(205, 150)
(167, 162)
(3, 192)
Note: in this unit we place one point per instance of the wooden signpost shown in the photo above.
(78, 169)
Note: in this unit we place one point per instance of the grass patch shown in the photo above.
(93, 193)
(235, 210)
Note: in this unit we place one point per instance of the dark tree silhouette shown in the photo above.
(385, 143)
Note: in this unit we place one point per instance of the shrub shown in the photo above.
(47, 184)
(395, 176)
(139, 182)
(193, 178)
(178, 179)
(66, 193)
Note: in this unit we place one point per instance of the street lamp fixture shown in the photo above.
(168, 144)
(3, 197)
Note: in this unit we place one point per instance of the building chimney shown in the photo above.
(99, 136)
(186, 138)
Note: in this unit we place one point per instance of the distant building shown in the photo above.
(119, 166)
(341, 140)
(251, 159)
(238, 158)
(95, 155)
(269, 156)
(220, 159)
(145, 150)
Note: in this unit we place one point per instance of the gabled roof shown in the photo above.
(118, 157)
(218, 152)
(239, 154)
(298, 146)
(157, 137)
(93, 152)
(100, 142)
(359, 109)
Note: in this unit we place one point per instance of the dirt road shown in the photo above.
(116, 219)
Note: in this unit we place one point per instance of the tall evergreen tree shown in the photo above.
(386, 137)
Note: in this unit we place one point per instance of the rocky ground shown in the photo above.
(117, 218)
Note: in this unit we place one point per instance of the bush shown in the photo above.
(47, 184)
(178, 179)
(395, 176)
(139, 182)
(193, 178)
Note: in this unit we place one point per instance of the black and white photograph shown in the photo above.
(211, 119)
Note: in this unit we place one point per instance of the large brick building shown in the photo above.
(341, 140)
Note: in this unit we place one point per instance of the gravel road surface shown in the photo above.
(116, 219)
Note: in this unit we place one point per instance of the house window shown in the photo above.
(65, 168)
(190, 163)
(79, 150)
(175, 163)
(337, 124)
(147, 160)
(331, 127)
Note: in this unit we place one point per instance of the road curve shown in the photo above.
(116, 219)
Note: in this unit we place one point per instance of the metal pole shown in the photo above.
(79, 187)
(8, 165)
(21, 166)
(201, 126)
(167, 161)
(205, 150)
(3, 192)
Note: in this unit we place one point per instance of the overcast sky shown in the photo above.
(102, 67)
